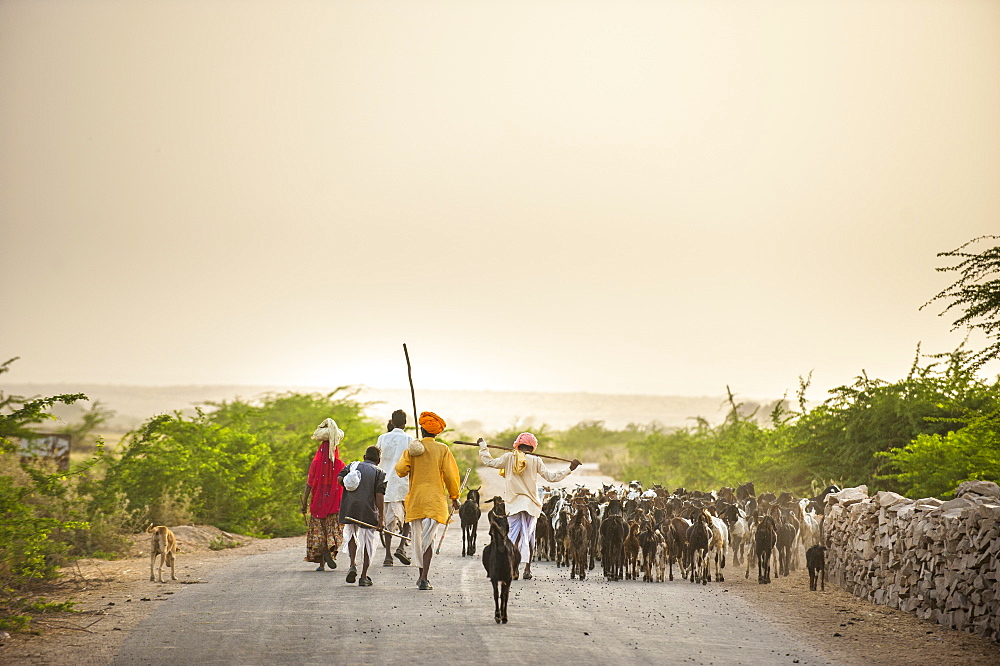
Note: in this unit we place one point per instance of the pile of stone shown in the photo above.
(939, 560)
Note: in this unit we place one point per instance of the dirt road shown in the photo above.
(261, 603)
(273, 608)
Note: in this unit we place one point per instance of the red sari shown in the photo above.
(325, 532)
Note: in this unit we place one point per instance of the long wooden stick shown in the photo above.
(413, 394)
(504, 448)
(465, 481)
(380, 529)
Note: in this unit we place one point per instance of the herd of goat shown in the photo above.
(635, 532)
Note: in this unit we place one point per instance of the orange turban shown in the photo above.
(432, 423)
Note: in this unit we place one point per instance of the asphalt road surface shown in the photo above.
(275, 609)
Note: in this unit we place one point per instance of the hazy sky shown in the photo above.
(629, 197)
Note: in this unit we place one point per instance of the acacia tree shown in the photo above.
(976, 294)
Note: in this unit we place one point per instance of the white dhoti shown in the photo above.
(522, 533)
(423, 532)
(365, 538)
(395, 516)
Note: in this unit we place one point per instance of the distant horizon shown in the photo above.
(326, 388)
(467, 410)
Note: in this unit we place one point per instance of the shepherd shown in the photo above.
(521, 470)
(433, 477)
(363, 505)
(322, 497)
(392, 444)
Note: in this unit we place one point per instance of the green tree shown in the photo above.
(840, 438)
(976, 293)
(933, 465)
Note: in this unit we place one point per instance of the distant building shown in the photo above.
(47, 446)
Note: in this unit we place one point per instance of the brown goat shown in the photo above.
(579, 539)
(632, 549)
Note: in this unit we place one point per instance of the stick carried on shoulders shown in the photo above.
(504, 448)
(465, 481)
(374, 527)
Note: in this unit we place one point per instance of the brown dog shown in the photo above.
(165, 545)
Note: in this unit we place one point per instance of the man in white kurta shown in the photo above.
(521, 471)
(392, 444)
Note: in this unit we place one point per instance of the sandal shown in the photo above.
(401, 556)
(352, 574)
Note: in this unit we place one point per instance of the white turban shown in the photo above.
(327, 431)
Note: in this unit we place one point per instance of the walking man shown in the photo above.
(521, 470)
(433, 476)
(365, 503)
(392, 444)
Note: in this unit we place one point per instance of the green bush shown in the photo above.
(240, 466)
(934, 465)
(36, 505)
(923, 434)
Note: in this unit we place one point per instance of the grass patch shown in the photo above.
(222, 543)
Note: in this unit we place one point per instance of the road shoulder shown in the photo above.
(113, 597)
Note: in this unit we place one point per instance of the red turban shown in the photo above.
(432, 423)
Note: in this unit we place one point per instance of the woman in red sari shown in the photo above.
(322, 497)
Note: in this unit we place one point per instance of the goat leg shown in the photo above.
(504, 594)
(496, 601)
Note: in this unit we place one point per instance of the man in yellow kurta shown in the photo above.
(433, 475)
(521, 470)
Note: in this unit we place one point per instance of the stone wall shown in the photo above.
(939, 560)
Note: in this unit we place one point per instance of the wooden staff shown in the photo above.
(380, 529)
(504, 448)
(452, 514)
(413, 394)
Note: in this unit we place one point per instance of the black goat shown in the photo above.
(500, 558)
(787, 530)
(818, 503)
(764, 543)
(613, 532)
(469, 514)
(699, 536)
(816, 561)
